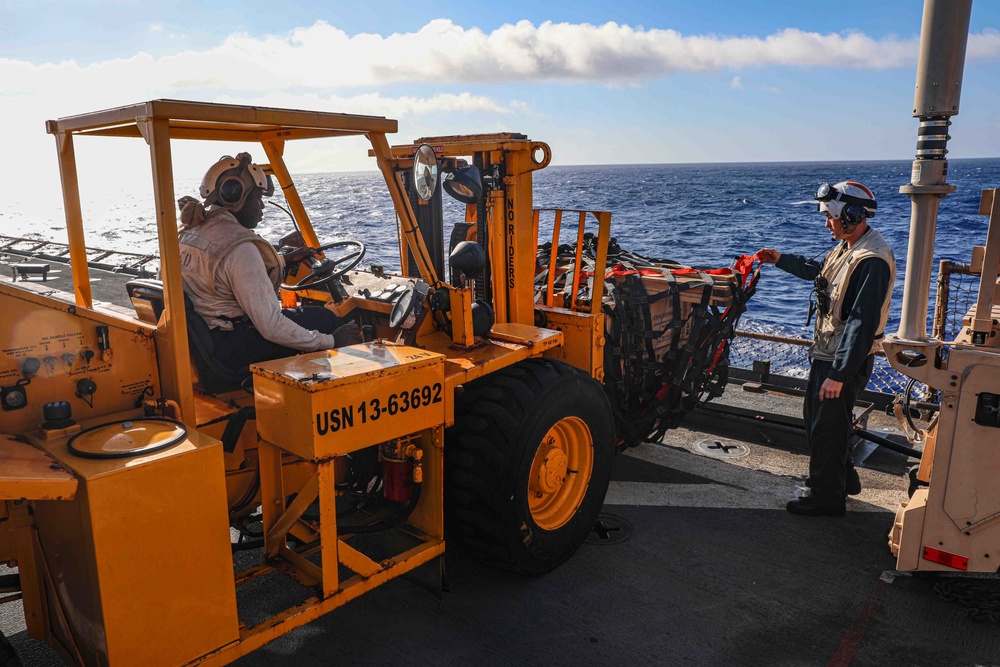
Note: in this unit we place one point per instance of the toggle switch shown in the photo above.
(103, 339)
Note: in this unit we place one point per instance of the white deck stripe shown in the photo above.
(735, 487)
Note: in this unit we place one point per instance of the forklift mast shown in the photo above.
(509, 237)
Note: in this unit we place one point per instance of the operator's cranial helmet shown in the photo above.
(230, 181)
(849, 201)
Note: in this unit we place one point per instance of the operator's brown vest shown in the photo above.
(838, 266)
(202, 249)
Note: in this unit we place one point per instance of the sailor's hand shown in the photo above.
(769, 255)
(299, 254)
(347, 334)
(830, 389)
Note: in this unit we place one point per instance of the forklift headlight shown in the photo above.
(464, 184)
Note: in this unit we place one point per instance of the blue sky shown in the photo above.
(601, 82)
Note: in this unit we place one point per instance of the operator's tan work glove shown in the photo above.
(347, 334)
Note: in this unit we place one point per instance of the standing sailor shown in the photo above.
(853, 290)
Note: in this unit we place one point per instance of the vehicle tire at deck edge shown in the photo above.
(500, 422)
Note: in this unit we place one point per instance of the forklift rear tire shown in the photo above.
(527, 464)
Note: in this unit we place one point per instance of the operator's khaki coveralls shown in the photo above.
(232, 276)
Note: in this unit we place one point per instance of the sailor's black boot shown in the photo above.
(853, 483)
(853, 486)
(812, 506)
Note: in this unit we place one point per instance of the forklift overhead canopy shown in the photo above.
(220, 122)
(158, 122)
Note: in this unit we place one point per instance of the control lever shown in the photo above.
(367, 333)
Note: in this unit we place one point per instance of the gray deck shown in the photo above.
(714, 573)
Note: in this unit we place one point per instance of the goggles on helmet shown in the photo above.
(827, 193)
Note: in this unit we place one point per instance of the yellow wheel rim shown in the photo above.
(560, 473)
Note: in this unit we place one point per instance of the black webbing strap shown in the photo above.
(698, 321)
(649, 393)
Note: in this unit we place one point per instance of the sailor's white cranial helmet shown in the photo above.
(833, 198)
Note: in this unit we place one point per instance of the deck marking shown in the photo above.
(852, 640)
(734, 487)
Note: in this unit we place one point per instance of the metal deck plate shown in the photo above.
(720, 448)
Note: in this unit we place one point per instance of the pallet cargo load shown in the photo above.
(668, 329)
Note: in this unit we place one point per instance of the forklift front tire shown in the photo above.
(527, 464)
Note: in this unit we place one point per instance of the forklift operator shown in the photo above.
(853, 291)
(231, 274)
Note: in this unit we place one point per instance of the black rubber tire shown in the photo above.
(500, 420)
(8, 658)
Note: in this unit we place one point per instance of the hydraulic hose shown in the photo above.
(888, 444)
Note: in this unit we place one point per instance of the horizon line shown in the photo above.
(687, 164)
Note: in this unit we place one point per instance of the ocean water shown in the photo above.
(696, 214)
(707, 214)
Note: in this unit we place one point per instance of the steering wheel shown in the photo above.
(325, 270)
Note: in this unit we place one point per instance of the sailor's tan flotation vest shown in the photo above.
(838, 266)
(202, 249)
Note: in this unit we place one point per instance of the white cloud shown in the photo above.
(322, 67)
(984, 46)
(444, 52)
(322, 57)
(375, 104)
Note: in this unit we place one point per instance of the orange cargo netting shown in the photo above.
(668, 330)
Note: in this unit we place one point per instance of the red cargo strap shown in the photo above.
(743, 265)
(713, 272)
(621, 270)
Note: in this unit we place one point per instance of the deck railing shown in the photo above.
(957, 289)
(788, 356)
(116, 261)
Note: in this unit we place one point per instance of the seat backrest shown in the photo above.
(213, 377)
(147, 299)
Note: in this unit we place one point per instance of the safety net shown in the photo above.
(668, 330)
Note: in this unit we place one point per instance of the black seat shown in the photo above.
(213, 377)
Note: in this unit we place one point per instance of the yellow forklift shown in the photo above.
(129, 456)
(134, 465)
